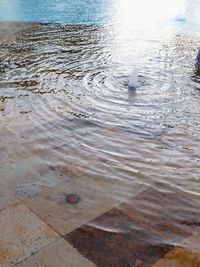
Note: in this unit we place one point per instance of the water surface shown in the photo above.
(63, 88)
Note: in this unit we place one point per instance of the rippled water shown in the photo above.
(70, 83)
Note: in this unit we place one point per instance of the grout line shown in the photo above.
(41, 219)
(33, 254)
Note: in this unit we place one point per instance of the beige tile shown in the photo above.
(51, 205)
(59, 254)
(119, 190)
(110, 185)
(179, 257)
(46, 197)
(23, 171)
(18, 123)
(6, 136)
(40, 183)
(192, 243)
(12, 147)
(22, 234)
(186, 255)
(7, 140)
(6, 197)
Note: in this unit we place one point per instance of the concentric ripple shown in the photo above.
(71, 82)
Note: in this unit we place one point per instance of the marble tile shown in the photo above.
(165, 210)
(115, 240)
(52, 207)
(22, 234)
(59, 254)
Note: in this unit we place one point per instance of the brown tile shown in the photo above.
(22, 234)
(116, 240)
(165, 210)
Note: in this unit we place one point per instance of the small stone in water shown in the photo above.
(52, 168)
(72, 198)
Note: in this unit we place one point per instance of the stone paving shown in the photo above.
(158, 226)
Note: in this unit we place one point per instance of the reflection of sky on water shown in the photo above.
(62, 11)
(132, 13)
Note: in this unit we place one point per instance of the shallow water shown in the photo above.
(71, 82)
(64, 92)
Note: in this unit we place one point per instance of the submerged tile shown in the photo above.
(111, 186)
(22, 234)
(11, 147)
(51, 205)
(115, 240)
(165, 210)
(179, 257)
(7, 197)
(59, 254)
(23, 171)
(50, 178)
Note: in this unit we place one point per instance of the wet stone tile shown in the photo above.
(23, 171)
(179, 257)
(12, 147)
(51, 178)
(59, 254)
(22, 234)
(52, 206)
(187, 254)
(192, 243)
(117, 190)
(7, 145)
(7, 197)
(116, 240)
(166, 211)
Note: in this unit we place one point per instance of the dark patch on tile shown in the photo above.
(166, 211)
(72, 198)
(116, 240)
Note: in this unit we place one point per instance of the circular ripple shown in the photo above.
(75, 82)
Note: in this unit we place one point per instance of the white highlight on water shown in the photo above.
(133, 80)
